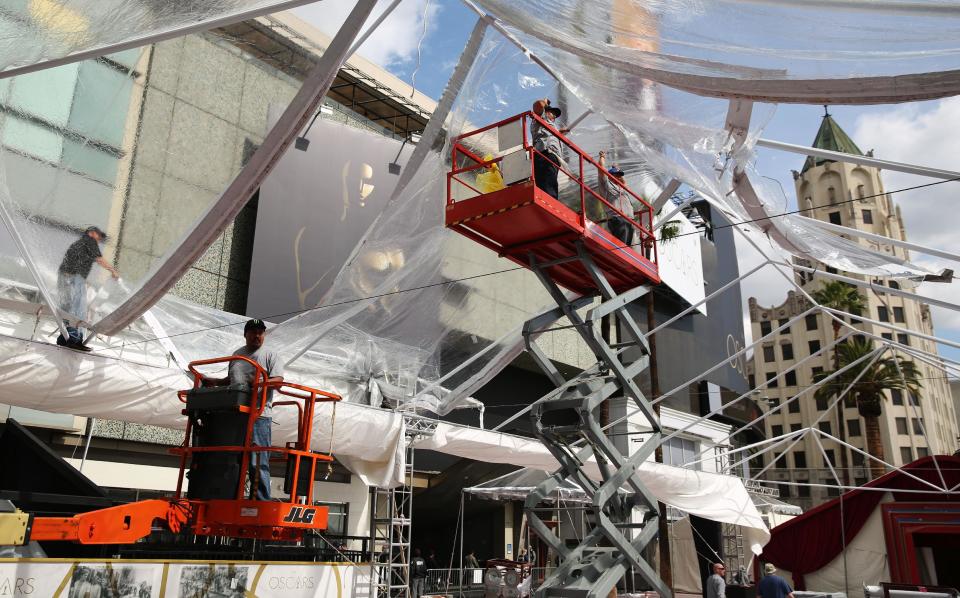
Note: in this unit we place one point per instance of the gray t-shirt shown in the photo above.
(242, 373)
(617, 197)
(716, 587)
(544, 141)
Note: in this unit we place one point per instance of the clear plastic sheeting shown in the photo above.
(139, 144)
(34, 31)
(756, 48)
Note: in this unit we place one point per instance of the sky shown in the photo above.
(422, 39)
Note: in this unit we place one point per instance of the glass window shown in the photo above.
(832, 270)
(858, 461)
(794, 407)
(765, 328)
(795, 427)
(922, 451)
(102, 102)
(337, 517)
(47, 95)
(835, 218)
(680, 451)
(768, 354)
(914, 399)
(894, 284)
(853, 427)
(901, 425)
(918, 425)
(887, 335)
(771, 382)
(896, 396)
(803, 491)
(784, 490)
(822, 404)
(867, 217)
(90, 160)
(800, 459)
(833, 491)
(812, 322)
(32, 139)
(906, 455)
(829, 458)
(898, 315)
(903, 339)
(752, 380)
(813, 347)
(776, 430)
(790, 379)
(882, 313)
(783, 322)
(816, 371)
(824, 427)
(774, 403)
(787, 349)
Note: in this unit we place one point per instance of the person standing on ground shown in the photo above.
(716, 584)
(470, 561)
(242, 374)
(548, 155)
(616, 196)
(772, 585)
(72, 281)
(418, 574)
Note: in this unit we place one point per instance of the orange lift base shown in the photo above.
(521, 220)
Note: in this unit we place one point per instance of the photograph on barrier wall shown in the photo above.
(107, 581)
(213, 581)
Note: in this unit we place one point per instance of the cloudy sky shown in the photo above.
(424, 38)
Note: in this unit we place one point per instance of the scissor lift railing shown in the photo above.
(565, 244)
(520, 219)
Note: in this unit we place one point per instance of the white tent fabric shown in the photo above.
(710, 495)
(367, 440)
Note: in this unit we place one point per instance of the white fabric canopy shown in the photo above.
(367, 440)
(710, 495)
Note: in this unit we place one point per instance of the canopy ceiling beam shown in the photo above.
(862, 160)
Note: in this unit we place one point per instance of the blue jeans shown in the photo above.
(260, 461)
(72, 289)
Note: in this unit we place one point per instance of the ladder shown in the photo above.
(391, 517)
(569, 415)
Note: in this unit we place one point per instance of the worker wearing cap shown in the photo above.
(547, 158)
(618, 197)
(772, 585)
(72, 281)
(241, 374)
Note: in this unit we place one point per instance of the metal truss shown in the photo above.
(570, 414)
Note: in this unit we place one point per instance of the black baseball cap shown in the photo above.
(96, 229)
(556, 111)
(254, 325)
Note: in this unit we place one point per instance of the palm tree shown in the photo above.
(844, 297)
(867, 392)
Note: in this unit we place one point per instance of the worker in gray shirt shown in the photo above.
(548, 155)
(241, 374)
(716, 584)
(616, 196)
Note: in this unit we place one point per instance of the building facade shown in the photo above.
(912, 426)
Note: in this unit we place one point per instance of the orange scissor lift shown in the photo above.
(222, 508)
(566, 243)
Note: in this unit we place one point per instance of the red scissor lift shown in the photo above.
(521, 221)
(566, 242)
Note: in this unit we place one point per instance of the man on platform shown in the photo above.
(716, 584)
(548, 155)
(616, 196)
(242, 373)
(772, 585)
(72, 282)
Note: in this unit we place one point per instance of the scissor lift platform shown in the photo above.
(523, 223)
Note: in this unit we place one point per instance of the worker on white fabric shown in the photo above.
(716, 583)
(241, 374)
(616, 196)
(548, 155)
(72, 281)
